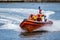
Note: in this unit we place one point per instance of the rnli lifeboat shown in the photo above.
(30, 26)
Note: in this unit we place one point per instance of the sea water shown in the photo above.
(12, 14)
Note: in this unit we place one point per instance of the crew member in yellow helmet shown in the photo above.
(35, 17)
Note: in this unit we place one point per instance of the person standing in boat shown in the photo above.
(40, 15)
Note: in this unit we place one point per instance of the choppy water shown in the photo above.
(12, 14)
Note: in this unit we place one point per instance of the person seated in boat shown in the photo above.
(40, 15)
(45, 18)
(35, 17)
(31, 17)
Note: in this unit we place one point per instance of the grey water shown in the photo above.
(10, 34)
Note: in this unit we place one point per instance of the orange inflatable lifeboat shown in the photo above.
(30, 26)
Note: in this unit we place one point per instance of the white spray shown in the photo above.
(10, 25)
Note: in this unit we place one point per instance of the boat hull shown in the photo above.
(30, 26)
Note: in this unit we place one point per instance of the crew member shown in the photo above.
(35, 17)
(40, 15)
(31, 17)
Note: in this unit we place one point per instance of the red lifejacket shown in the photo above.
(39, 17)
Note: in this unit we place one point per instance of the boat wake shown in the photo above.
(12, 17)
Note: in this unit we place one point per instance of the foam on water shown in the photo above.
(54, 27)
(11, 21)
